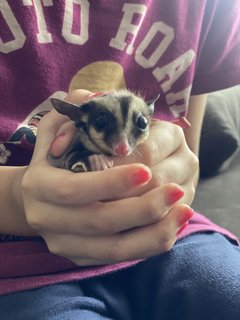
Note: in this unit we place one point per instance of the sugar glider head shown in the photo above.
(115, 122)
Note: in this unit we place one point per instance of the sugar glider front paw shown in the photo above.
(79, 167)
(99, 162)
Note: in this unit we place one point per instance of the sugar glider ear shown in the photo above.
(151, 103)
(71, 110)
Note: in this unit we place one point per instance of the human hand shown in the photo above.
(87, 217)
(171, 161)
(165, 152)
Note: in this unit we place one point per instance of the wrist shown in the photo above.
(14, 220)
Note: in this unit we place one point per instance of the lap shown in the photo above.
(198, 278)
(56, 302)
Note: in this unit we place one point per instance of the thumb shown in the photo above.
(55, 130)
(47, 131)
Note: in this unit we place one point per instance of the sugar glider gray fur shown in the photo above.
(111, 124)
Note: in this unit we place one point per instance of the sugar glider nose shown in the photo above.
(121, 149)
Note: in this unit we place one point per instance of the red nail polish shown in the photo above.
(182, 122)
(180, 230)
(141, 176)
(186, 215)
(173, 196)
(96, 94)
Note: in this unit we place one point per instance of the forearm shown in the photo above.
(12, 214)
(195, 116)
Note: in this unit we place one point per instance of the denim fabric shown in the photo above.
(198, 279)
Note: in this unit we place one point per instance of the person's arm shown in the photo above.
(88, 217)
(195, 116)
(12, 217)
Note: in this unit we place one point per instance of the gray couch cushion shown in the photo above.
(218, 197)
(220, 138)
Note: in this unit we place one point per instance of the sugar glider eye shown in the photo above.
(141, 122)
(102, 121)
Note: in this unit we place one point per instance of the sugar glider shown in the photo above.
(110, 124)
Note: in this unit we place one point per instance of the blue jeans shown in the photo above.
(198, 279)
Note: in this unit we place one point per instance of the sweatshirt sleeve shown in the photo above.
(218, 60)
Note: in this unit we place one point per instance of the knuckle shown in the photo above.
(145, 151)
(177, 131)
(54, 247)
(168, 245)
(164, 239)
(33, 219)
(117, 252)
(153, 211)
(193, 162)
(160, 178)
(103, 225)
(149, 151)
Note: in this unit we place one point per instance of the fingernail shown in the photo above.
(96, 94)
(182, 122)
(180, 230)
(141, 176)
(173, 195)
(186, 215)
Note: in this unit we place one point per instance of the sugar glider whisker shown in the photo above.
(110, 124)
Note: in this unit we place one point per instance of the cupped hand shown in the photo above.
(171, 161)
(123, 213)
(165, 152)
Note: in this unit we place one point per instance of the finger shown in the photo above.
(164, 138)
(66, 188)
(50, 125)
(134, 244)
(179, 168)
(170, 174)
(104, 218)
(150, 240)
(66, 133)
(63, 138)
(47, 130)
